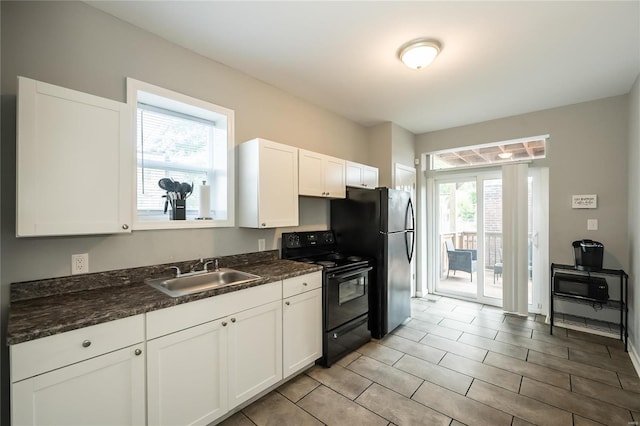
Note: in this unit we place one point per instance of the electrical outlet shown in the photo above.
(79, 263)
(261, 244)
(592, 224)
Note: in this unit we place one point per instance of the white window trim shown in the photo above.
(139, 91)
(431, 154)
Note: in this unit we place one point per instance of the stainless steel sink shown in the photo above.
(200, 281)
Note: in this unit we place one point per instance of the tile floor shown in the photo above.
(456, 363)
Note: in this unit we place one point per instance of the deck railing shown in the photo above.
(469, 240)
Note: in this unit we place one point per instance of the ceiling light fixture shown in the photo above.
(505, 155)
(419, 53)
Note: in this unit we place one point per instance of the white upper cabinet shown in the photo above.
(74, 162)
(361, 175)
(268, 190)
(321, 175)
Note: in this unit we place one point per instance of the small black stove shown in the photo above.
(317, 247)
(345, 290)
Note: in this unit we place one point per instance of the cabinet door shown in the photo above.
(187, 375)
(355, 174)
(74, 162)
(278, 181)
(255, 351)
(302, 335)
(311, 173)
(105, 390)
(370, 177)
(334, 181)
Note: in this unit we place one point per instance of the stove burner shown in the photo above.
(335, 256)
(326, 263)
(354, 258)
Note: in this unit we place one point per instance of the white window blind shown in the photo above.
(171, 145)
(514, 239)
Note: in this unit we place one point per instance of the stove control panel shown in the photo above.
(295, 240)
(291, 240)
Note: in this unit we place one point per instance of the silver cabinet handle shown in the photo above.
(86, 343)
(328, 194)
(287, 303)
(233, 320)
(224, 323)
(125, 226)
(138, 352)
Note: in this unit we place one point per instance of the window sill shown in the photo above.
(181, 224)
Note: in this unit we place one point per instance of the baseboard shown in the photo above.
(635, 358)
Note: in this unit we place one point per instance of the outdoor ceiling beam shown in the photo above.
(528, 149)
(462, 158)
(475, 151)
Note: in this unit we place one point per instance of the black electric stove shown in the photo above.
(345, 290)
(318, 247)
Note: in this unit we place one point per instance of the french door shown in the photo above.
(466, 237)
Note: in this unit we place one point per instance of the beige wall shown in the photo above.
(587, 154)
(403, 149)
(380, 151)
(76, 46)
(73, 45)
(390, 144)
(633, 194)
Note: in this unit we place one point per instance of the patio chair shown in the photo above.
(461, 259)
(497, 267)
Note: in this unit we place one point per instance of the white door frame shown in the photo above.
(540, 232)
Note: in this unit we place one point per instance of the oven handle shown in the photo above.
(343, 277)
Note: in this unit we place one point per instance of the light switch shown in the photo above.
(592, 224)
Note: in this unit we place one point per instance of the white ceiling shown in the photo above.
(498, 58)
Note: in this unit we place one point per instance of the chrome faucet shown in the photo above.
(216, 265)
(178, 273)
(193, 267)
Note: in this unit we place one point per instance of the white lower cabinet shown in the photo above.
(197, 374)
(255, 351)
(187, 375)
(302, 329)
(203, 359)
(82, 377)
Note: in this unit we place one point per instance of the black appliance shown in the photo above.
(379, 223)
(584, 287)
(588, 255)
(345, 290)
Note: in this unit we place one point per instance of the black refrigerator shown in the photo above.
(379, 223)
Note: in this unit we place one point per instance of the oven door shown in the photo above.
(346, 296)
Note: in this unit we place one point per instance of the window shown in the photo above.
(489, 154)
(189, 141)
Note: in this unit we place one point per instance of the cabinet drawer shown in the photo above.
(297, 285)
(48, 353)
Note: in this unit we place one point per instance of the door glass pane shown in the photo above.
(457, 224)
(492, 204)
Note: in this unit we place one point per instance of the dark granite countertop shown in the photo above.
(47, 307)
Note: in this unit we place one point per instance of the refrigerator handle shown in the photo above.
(406, 217)
(409, 250)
